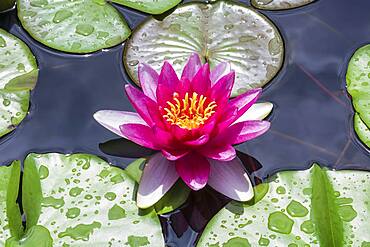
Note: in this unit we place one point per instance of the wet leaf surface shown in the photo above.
(315, 207)
(80, 26)
(219, 32)
(149, 6)
(18, 75)
(358, 86)
(279, 4)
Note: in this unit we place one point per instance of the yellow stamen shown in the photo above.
(189, 112)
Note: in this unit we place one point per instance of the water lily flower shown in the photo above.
(194, 125)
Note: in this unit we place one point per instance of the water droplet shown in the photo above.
(274, 46)
(6, 102)
(134, 241)
(84, 29)
(133, 62)
(293, 245)
(113, 41)
(263, 241)
(264, 2)
(62, 15)
(110, 196)
(75, 46)
(280, 222)
(117, 179)
(75, 191)
(43, 172)
(308, 227)
(80, 232)
(39, 3)
(280, 190)
(102, 35)
(2, 42)
(228, 26)
(116, 213)
(296, 209)
(21, 67)
(237, 242)
(247, 38)
(52, 202)
(88, 197)
(347, 213)
(73, 213)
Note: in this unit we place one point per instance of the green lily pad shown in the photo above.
(79, 26)
(6, 4)
(172, 200)
(314, 207)
(149, 6)
(279, 4)
(18, 75)
(362, 130)
(358, 86)
(222, 31)
(9, 183)
(82, 200)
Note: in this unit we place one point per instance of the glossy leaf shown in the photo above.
(18, 75)
(363, 132)
(79, 26)
(219, 32)
(8, 195)
(172, 200)
(314, 207)
(358, 85)
(81, 200)
(279, 4)
(149, 6)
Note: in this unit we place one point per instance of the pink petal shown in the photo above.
(158, 177)
(244, 101)
(222, 153)
(221, 91)
(191, 67)
(247, 130)
(113, 119)
(230, 179)
(140, 134)
(146, 107)
(148, 78)
(174, 154)
(194, 170)
(201, 81)
(197, 142)
(168, 77)
(219, 71)
(258, 111)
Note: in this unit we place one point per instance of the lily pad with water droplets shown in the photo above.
(222, 31)
(18, 75)
(9, 183)
(363, 132)
(83, 201)
(149, 6)
(78, 26)
(358, 86)
(279, 4)
(314, 207)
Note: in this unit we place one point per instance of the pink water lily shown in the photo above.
(194, 125)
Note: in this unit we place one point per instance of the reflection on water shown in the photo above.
(312, 118)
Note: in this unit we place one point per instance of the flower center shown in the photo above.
(189, 112)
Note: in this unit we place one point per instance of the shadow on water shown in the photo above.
(312, 118)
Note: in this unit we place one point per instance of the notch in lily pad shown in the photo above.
(222, 31)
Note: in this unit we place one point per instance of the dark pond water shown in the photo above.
(312, 118)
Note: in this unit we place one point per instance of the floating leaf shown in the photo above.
(9, 183)
(219, 32)
(362, 130)
(6, 4)
(18, 75)
(81, 200)
(358, 85)
(78, 26)
(314, 207)
(149, 6)
(279, 4)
